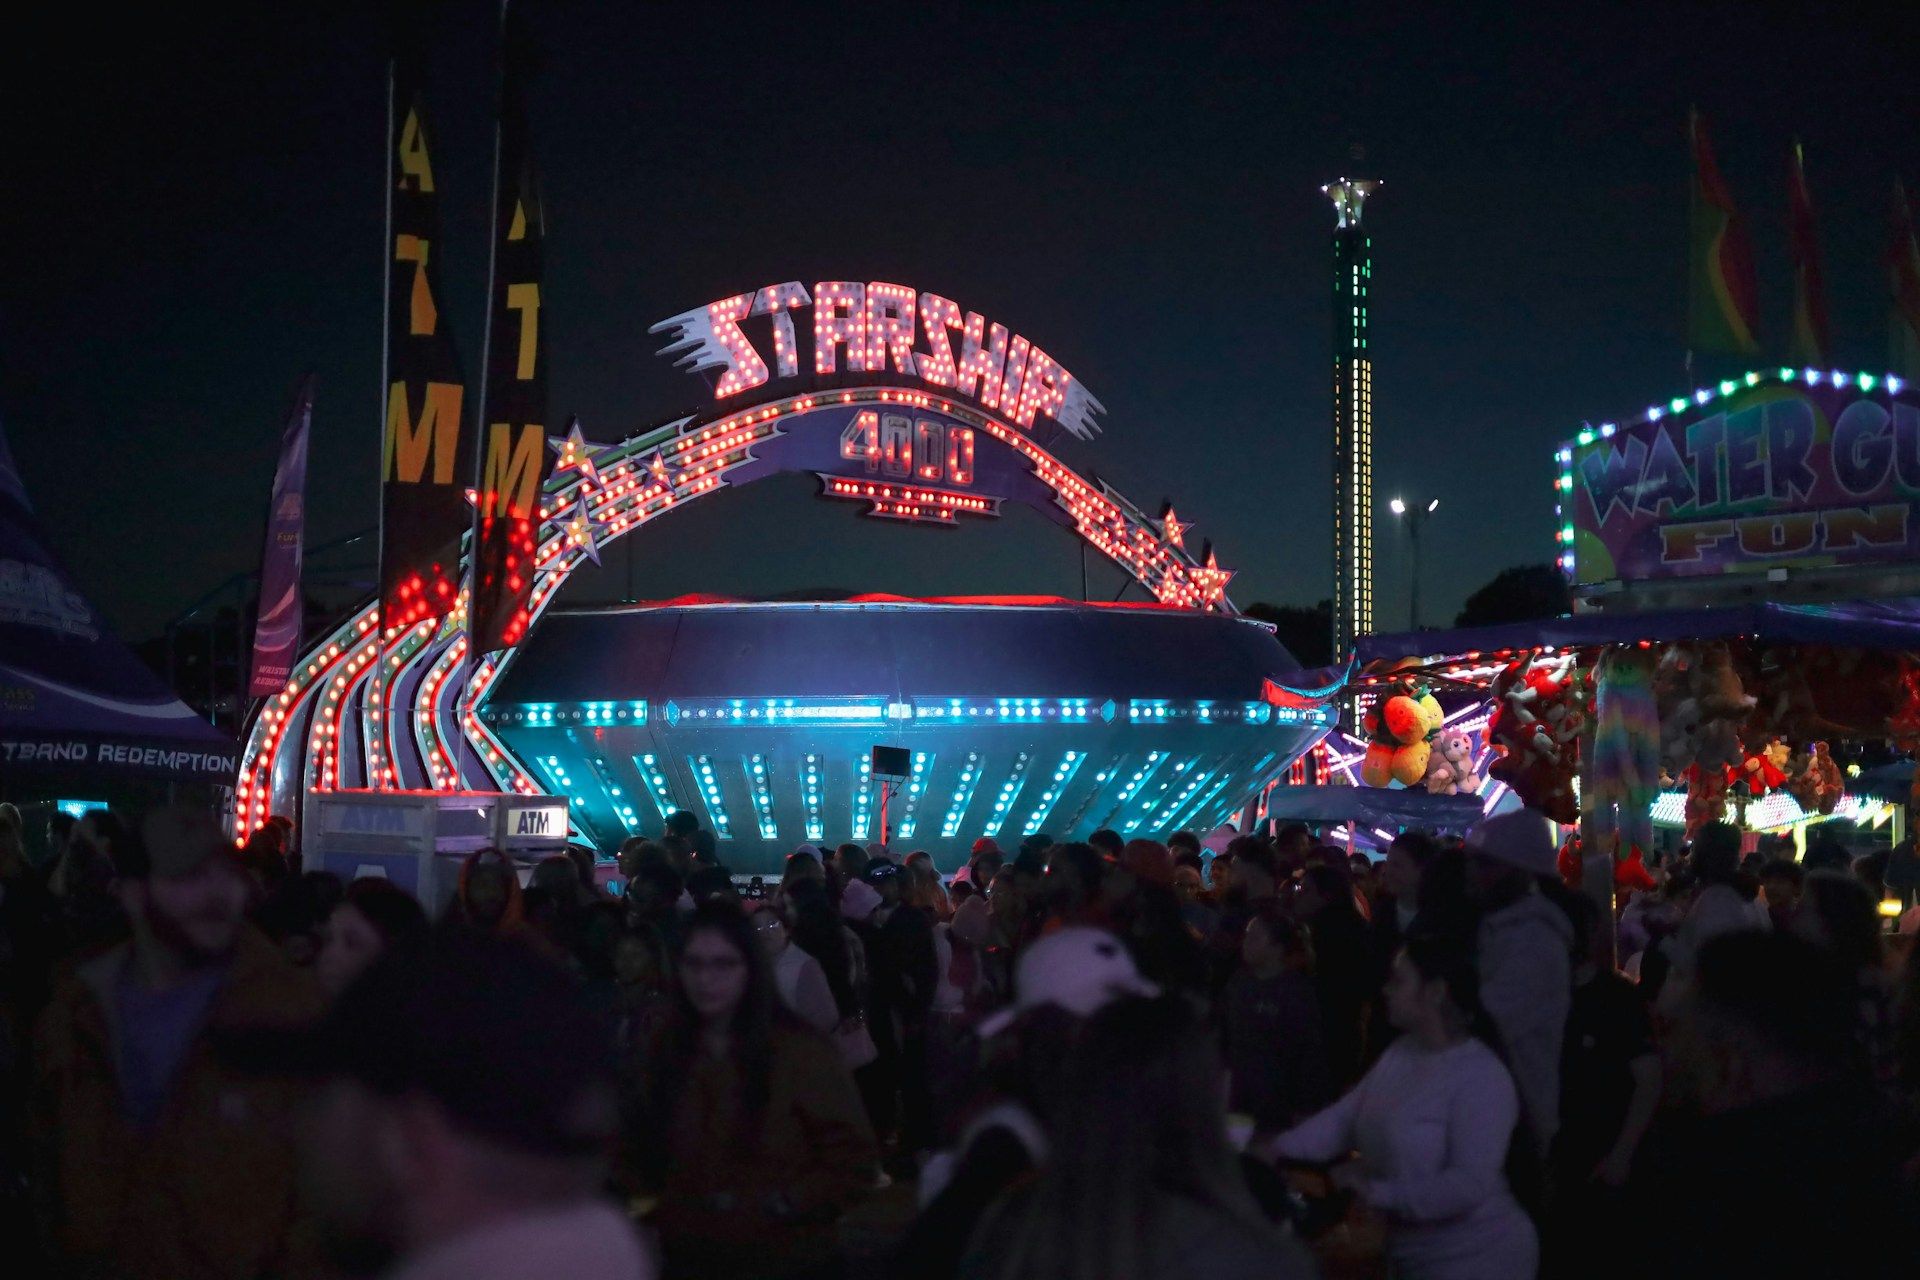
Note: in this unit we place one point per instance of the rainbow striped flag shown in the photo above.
(1722, 298)
(1812, 340)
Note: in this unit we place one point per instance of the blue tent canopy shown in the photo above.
(1890, 782)
(1863, 624)
(73, 698)
(1374, 807)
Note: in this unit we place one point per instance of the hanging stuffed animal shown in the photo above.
(1766, 769)
(1450, 770)
(1400, 729)
(1702, 707)
(1535, 731)
(1706, 797)
(1818, 784)
(1624, 775)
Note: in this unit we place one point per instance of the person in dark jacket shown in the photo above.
(1763, 1047)
(903, 966)
(1345, 972)
(156, 1157)
(1144, 1184)
(1276, 1054)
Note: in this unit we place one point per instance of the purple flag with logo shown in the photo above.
(276, 632)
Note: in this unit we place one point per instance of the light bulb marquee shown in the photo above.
(907, 405)
(873, 329)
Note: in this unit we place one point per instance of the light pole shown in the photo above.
(1415, 516)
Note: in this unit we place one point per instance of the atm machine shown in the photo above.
(420, 839)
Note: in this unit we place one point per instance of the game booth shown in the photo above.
(1745, 642)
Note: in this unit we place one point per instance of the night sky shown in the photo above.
(192, 219)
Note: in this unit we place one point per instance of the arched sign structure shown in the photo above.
(894, 414)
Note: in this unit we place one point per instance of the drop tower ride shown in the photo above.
(1352, 417)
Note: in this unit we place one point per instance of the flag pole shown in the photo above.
(486, 370)
(1693, 201)
(378, 778)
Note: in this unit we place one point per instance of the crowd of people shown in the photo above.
(1248, 1056)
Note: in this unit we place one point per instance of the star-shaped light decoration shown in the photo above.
(1172, 529)
(656, 465)
(579, 529)
(576, 454)
(1210, 580)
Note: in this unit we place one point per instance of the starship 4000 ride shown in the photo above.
(1019, 715)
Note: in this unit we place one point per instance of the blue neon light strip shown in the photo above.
(1195, 779)
(1069, 766)
(562, 784)
(1025, 710)
(858, 711)
(1008, 790)
(1213, 793)
(810, 783)
(962, 794)
(758, 711)
(655, 780)
(1099, 785)
(616, 799)
(916, 784)
(1228, 773)
(1247, 780)
(569, 713)
(762, 796)
(1159, 794)
(1134, 784)
(863, 799)
(709, 784)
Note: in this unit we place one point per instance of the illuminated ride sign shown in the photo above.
(912, 408)
(880, 328)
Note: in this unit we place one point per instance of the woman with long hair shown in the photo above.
(1840, 915)
(1144, 1184)
(749, 1128)
(923, 887)
(488, 898)
(374, 917)
(817, 930)
(1433, 1124)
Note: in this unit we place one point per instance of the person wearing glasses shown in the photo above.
(748, 1130)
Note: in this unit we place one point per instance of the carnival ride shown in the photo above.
(413, 708)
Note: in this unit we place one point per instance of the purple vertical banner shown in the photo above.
(276, 631)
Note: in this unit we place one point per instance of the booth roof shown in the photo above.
(1375, 806)
(1860, 624)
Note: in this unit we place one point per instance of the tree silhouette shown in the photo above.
(1519, 594)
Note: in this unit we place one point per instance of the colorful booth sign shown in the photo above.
(1800, 469)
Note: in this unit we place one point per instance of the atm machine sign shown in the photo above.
(535, 822)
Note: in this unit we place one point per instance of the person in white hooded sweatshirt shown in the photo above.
(1431, 1127)
(1525, 948)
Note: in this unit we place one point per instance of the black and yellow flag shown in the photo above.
(427, 456)
(513, 443)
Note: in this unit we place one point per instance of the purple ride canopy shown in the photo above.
(1783, 473)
